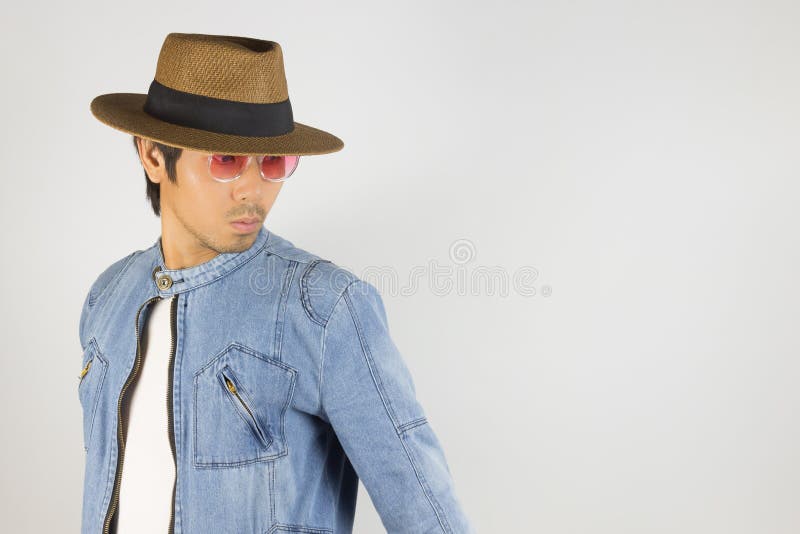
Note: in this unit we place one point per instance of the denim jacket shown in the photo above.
(321, 397)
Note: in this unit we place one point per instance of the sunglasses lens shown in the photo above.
(225, 167)
(278, 167)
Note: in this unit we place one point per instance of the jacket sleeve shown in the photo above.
(369, 398)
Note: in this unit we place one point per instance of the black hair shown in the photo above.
(171, 155)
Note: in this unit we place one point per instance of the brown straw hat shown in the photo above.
(216, 93)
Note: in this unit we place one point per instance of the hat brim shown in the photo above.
(124, 112)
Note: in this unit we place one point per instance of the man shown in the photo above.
(282, 384)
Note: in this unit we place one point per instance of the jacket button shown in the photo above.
(157, 268)
(164, 282)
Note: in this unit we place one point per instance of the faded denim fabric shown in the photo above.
(286, 389)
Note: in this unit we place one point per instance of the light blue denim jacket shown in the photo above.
(285, 388)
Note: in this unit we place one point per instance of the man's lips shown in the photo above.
(247, 220)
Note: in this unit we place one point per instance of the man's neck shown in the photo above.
(180, 249)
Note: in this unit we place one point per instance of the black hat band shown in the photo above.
(218, 115)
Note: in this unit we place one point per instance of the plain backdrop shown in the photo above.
(637, 161)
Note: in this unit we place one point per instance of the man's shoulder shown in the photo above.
(109, 275)
(101, 287)
(321, 279)
(286, 249)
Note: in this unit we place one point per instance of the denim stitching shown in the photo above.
(376, 379)
(437, 507)
(322, 347)
(304, 298)
(374, 372)
(283, 527)
(95, 349)
(280, 314)
(93, 298)
(237, 463)
(177, 385)
(216, 276)
(273, 494)
(237, 406)
(412, 424)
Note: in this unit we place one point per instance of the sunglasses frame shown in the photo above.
(260, 159)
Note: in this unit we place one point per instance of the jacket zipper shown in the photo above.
(170, 430)
(112, 506)
(232, 388)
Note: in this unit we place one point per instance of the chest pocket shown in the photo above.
(91, 378)
(240, 402)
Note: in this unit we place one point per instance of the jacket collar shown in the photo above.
(168, 282)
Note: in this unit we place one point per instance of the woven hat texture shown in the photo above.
(216, 93)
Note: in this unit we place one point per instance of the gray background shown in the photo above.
(640, 156)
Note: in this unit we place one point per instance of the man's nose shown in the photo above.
(250, 183)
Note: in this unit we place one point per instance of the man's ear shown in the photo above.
(152, 160)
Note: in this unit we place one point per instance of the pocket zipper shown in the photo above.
(85, 369)
(232, 388)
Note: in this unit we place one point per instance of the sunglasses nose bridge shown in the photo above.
(249, 163)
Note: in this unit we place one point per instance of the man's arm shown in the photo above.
(368, 396)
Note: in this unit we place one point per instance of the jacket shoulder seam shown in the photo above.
(331, 287)
(96, 292)
(287, 257)
(305, 299)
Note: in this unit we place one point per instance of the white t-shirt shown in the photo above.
(148, 470)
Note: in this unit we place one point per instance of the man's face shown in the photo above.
(197, 212)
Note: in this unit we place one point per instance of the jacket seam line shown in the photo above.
(93, 299)
(374, 373)
(305, 299)
(289, 258)
(218, 275)
(322, 344)
(435, 504)
(412, 424)
(280, 319)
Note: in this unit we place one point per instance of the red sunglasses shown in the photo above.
(227, 168)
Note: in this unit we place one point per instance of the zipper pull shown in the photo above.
(85, 370)
(230, 385)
